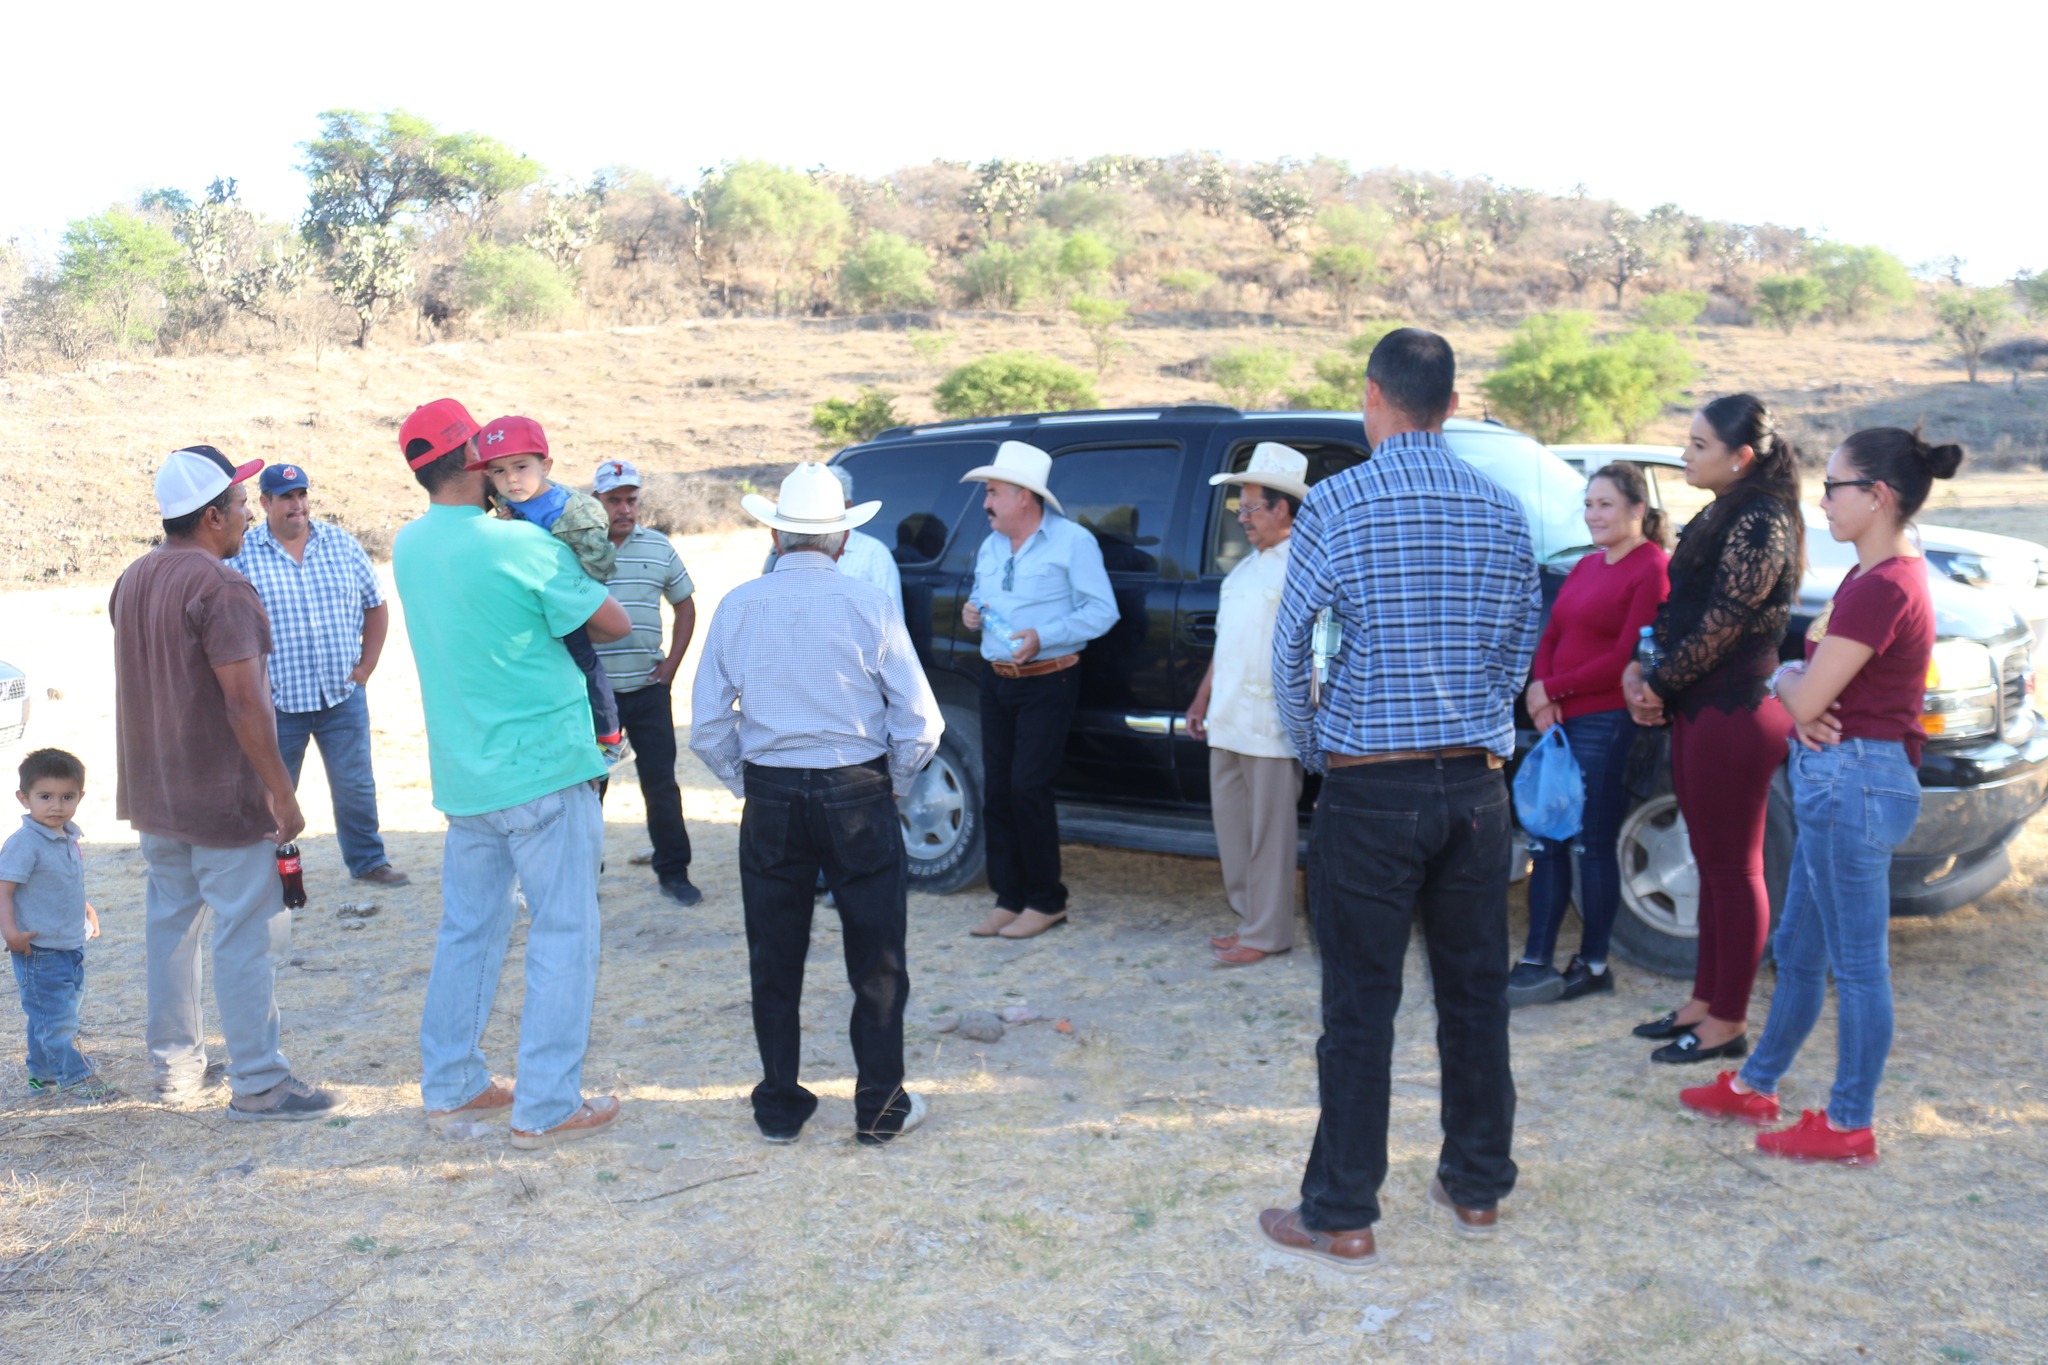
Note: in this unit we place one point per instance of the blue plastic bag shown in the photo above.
(1550, 791)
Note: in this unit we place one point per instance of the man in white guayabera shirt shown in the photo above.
(1254, 776)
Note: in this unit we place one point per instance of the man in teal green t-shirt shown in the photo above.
(487, 603)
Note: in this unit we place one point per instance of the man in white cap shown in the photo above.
(1254, 775)
(1040, 595)
(203, 783)
(810, 704)
(647, 571)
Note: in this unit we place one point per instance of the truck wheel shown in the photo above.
(1658, 925)
(941, 815)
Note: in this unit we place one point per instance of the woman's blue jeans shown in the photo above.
(1601, 743)
(1856, 801)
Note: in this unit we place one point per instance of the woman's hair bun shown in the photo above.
(1942, 460)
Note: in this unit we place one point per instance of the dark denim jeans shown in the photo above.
(1601, 743)
(1389, 840)
(1856, 801)
(51, 981)
(343, 731)
(604, 704)
(1024, 725)
(648, 717)
(797, 823)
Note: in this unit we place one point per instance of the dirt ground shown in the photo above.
(1086, 1196)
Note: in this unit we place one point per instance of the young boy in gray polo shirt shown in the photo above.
(46, 919)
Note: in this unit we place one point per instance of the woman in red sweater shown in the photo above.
(1600, 613)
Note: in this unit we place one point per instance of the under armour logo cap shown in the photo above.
(506, 437)
(433, 430)
(191, 478)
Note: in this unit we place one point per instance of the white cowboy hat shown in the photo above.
(810, 502)
(1280, 468)
(1026, 466)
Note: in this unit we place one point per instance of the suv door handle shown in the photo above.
(1153, 723)
(1199, 627)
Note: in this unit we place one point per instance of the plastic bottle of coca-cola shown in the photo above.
(292, 874)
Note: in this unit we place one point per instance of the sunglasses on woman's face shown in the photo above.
(1828, 486)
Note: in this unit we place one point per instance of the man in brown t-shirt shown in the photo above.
(202, 782)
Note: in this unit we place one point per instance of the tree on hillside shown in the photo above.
(1858, 278)
(1013, 382)
(765, 219)
(1438, 240)
(1005, 192)
(1346, 271)
(123, 271)
(382, 170)
(1250, 375)
(887, 272)
(1277, 206)
(1557, 382)
(1210, 183)
(1501, 212)
(1629, 252)
(1340, 375)
(1637, 376)
(1099, 318)
(1970, 315)
(370, 269)
(1788, 300)
(2031, 292)
(237, 262)
(1672, 309)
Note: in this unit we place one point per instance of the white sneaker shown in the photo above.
(916, 1114)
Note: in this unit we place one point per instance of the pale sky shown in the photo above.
(1913, 128)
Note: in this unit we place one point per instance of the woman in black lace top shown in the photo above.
(1733, 579)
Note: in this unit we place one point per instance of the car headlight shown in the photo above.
(1962, 691)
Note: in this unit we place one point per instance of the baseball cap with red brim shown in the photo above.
(506, 437)
(191, 478)
(442, 425)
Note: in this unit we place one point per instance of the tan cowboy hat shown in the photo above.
(810, 502)
(1026, 466)
(1280, 468)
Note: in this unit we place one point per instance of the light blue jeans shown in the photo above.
(551, 845)
(343, 731)
(51, 981)
(1856, 801)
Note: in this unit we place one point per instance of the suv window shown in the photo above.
(922, 496)
(1125, 495)
(1226, 544)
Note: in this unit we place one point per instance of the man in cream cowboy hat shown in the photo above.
(811, 705)
(1040, 595)
(1254, 776)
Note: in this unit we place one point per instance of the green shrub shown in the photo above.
(1081, 205)
(1346, 271)
(1349, 225)
(1098, 318)
(1970, 315)
(844, 422)
(1340, 375)
(886, 272)
(1013, 382)
(996, 276)
(1248, 375)
(1788, 300)
(515, 285)
(122, 271)
(1191, 284)
(1859, 278)
(929, 345)
(1085, 258)
(1557, 383)
(1671, 310)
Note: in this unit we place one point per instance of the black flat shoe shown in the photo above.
(1667, 1027)
(1580, 982)
(1688, 1049)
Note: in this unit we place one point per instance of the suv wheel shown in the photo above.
(1658, 923)
(941, 816)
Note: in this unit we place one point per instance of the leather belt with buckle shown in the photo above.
(1036, 669)
(1493, 760)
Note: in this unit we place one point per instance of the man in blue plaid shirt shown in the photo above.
(327, 622)
(1426, 566)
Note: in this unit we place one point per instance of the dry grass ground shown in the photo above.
(1086, 1195)
(702, 405)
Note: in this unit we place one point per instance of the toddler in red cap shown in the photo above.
(513, 452)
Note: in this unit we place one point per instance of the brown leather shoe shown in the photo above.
(494, 1103)
(998, 920)
(1348, 1251)
(594, 1117)
(1241, 956)
(385, 875)
(1031, 924)
(1470, 1222)
(1223, 942)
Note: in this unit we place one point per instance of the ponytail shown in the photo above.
(1738, 420)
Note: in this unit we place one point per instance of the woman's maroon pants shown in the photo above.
(1721, 768)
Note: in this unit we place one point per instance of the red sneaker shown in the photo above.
(1811, 1139)
(1722, 1100)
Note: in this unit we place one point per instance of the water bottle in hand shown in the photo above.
(995, 623)
(1648, 653)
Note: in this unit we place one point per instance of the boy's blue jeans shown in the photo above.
(51, 981)
(1856, 801)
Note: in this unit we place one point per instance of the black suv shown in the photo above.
(1133, 778)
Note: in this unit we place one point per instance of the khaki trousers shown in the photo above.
(1258, 836)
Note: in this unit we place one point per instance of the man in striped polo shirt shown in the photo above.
(649, 570)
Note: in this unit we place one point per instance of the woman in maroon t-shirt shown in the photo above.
(1576, 682)
(1856, 698)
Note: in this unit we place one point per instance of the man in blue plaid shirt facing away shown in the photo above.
(328, 619)
(1426, 567)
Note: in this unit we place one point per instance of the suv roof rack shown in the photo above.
(1022, 420)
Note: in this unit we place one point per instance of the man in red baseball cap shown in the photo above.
(487, 603)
